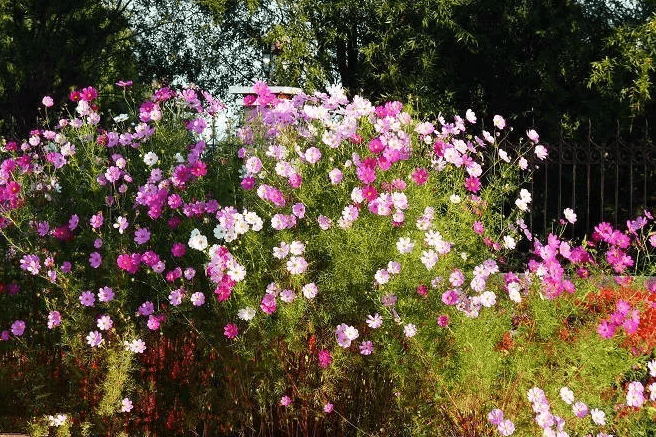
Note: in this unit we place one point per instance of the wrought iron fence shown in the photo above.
(610, 180)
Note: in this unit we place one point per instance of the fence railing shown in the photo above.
(610, 180)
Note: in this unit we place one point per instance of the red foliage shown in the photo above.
(604, 303)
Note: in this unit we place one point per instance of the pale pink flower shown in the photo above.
(126, 405)
(499, 122)
(47, 101)
(94, 338)
(541, 152)
(105, 323)
(533, 135)
(570, 215)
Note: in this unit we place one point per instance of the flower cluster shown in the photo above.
(357, 238)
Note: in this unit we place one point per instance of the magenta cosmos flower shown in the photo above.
(473, 184)
(324, 358)
(230, 330)
(18, 328)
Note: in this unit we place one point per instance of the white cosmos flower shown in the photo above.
(246, 314)
(150, 159)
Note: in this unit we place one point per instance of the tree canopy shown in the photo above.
(547, 64)
(48, 46)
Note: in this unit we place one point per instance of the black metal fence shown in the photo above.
(612, 180)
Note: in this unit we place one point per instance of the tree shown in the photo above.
(181, 41)
(527, 59)
(47, 46)
(626, 72)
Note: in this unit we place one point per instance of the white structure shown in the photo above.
(281, 92)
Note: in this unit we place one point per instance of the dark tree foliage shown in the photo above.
(182, 41)
(46, 46)
(529, 60)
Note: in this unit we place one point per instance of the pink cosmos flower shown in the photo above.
(129, 263)
(136, 346)
(443, 320)
(31, 263)
(48, 102)
(295, 180)
(410, 330)
(154, 322)
(141, 235)
(146, 309)
(376, 146)
(178, 250)
(94, 338)
(54, 319)
(73, 222)
(457, 278)
(420, 176)
(268, 303)
(230, 330)
(499, 122)
(533, 136)
(66, 267)
(606, 330)
(335, 176)
(450, 297)
(541, 152)
(312, 155)
(631, 325)
(43, 228)
(328, 408)
(253, 165)
(324, 358)
(366, 348)
(105, 323)
(87, 298)
(346, 334)
(365, 174)
(570, 216)
(324, 222)
(425, 128)
(296, 265)
(88, 94)
(126, 405)
(18, 328)
(197, 298)
(95, 260)
(495, 417)
(285, 401)
(375, 321)
(635, 397)
(189, 273)
(473, 184)
(96, 220)
(506, 428)
(105, 294)
(298, 209)
(175, 297)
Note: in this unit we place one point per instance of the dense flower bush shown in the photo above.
(361, 274)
